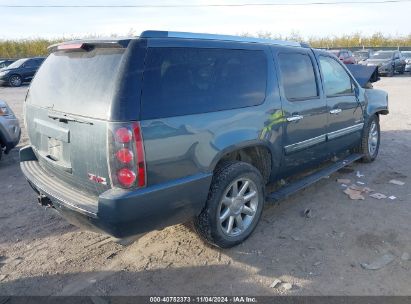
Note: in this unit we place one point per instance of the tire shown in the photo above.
(370, 140)
(402, 71)
(391, 73)
(240, 213)
(15, 80)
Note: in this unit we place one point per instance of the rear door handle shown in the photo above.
(295, 118)
(335, 111)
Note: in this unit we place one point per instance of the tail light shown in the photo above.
(126, 155)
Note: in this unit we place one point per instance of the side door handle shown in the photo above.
(295, 118)
(335, 111)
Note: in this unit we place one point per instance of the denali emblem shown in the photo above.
(97, 179)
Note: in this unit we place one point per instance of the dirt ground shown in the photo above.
(41, 254)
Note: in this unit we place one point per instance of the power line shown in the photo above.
(203, 5)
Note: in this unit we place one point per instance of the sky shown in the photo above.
(306, 20)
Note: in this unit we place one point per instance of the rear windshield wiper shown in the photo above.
(65, 118)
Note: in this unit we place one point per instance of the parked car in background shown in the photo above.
(20, 71)
(388, 62)
(346, 56)
(9, 129)
(362, 55)
(189, 126)
(5, 63)
(407, 56)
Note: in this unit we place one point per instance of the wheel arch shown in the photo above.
(256, 153)
(377, 102)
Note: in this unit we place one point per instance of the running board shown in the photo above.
(300, 184)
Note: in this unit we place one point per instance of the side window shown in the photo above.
(29, 63)
(183, 81)
(336, 79)
(38, 62)
(298, 77)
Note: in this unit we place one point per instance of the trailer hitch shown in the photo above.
(44, 201)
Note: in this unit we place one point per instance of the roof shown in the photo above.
(187, 35)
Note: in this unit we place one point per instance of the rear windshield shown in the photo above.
(183, 81)
(79, 83)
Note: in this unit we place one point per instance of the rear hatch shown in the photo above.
(68, 110)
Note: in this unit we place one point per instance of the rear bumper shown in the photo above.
(118, 212)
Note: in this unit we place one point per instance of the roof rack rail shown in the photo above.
(187, 35)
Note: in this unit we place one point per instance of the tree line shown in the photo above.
(38, 47)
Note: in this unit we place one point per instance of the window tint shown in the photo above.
(39, 61)
(30, 64)
(298, 76)
(336, 79)
(182, 81)
(80, 83)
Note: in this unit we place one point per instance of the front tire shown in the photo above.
(370, 140)
(234, 205)
(15, 80)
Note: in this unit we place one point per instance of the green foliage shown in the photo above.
(38, 47)
(343, 41)
(24, 48)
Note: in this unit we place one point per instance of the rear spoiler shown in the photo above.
(365, 75)
(88, 45)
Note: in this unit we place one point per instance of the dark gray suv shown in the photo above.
(133, 135)
(388, 62)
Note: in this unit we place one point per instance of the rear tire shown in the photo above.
(370, 140)
(391, 73)
(234, 205)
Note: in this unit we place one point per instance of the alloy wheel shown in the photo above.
(373, 138)
(238, 207)
(15, 81)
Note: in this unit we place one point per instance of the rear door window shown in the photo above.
(336, 79)
(183, 81)
(298, 76)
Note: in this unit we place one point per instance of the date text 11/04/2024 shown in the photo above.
(205, 299)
